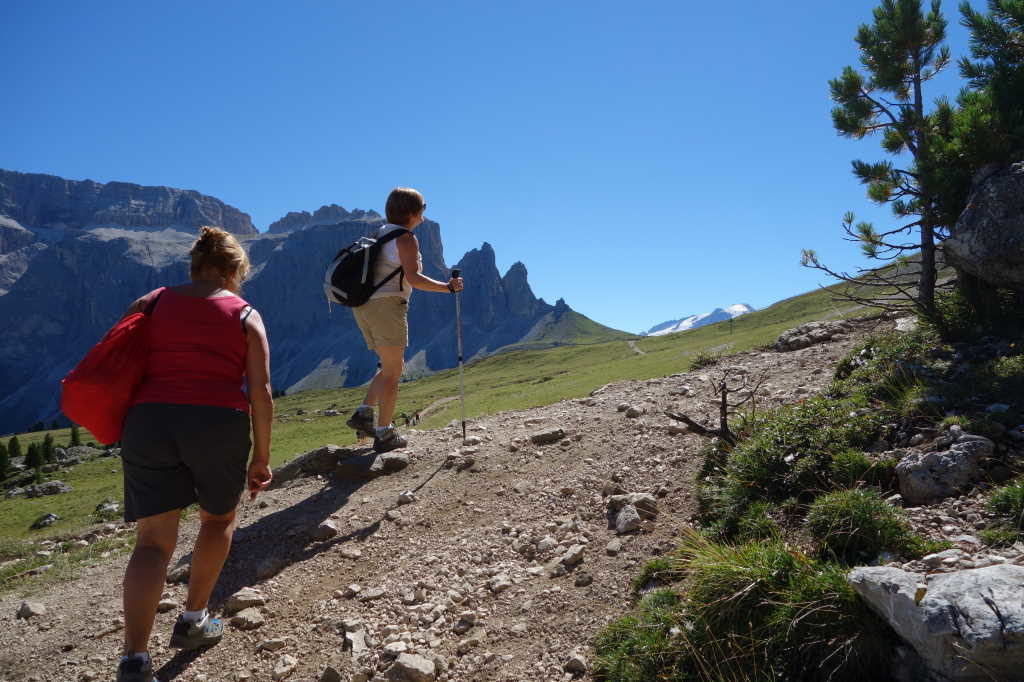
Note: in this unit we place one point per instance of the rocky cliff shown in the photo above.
(325, 215)
(47, 201)
(63, 288)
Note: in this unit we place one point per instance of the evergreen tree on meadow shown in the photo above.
(13, 448)
(34, 456)
(76, 437)
(901, 51)
(49, 455)
(5, 461)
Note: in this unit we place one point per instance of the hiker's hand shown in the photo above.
(259, 477)
(455, 284)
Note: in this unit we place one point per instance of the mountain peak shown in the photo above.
(694, 321)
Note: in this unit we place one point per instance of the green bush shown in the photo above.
(704, 358)
(788, 454)
(857, 525)
(755, 611)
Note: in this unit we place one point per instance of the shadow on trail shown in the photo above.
(285, 537)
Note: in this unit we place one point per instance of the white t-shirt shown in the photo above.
(387, 262)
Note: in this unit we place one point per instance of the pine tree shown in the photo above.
(5, 461)
(900, 52)
(13, 448)
(34, 456)
(53, 425)
(49, 455)
(76, 438)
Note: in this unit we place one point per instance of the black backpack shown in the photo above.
(349, 276)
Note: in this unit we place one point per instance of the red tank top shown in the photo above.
(197, 352)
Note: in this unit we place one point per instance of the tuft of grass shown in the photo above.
(1000, 536)
(852, 468)
(1008, 503)
(758, 524)
(856, 525)
(657, 571)
(753, 611)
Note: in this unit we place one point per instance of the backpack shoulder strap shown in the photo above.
(393, 234)
(245, 314)
(152, 301)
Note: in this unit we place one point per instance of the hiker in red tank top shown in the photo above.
(186, 439)
(197, 352)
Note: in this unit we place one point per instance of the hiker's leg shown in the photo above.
(212, 547)
(145, 575)
(391, 364)
(375, 390)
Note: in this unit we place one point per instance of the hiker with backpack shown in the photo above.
(391, 267)
(186, 439)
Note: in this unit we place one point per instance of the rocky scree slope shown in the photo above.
(495, 559)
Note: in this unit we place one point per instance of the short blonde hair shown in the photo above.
(219, 250)
(403, 203)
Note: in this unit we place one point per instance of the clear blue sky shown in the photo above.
(646, 160)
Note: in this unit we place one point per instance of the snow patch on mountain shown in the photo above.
(694, 321)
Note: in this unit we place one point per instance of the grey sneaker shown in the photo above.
(187, 635)
(388, 440)
(136, 670)
(361, 422)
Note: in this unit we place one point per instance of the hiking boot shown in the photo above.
(388, 439)
(136, 670)
(188, 635)
(361, 422)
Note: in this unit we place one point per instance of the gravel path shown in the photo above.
(501, 567)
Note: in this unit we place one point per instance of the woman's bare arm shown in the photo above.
(408, 254)
(257, 367)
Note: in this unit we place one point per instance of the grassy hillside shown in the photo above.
(517, 379)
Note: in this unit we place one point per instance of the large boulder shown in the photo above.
(987, 240)
(929, 476)
(47, 488)
(809, 334)
(967, 625)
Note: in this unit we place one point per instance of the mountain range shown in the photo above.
(693, 321)
(74, 254)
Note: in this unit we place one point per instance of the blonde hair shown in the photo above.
(403, 203)
(218, 250)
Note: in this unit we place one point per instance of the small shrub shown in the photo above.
(1008, 503)
(704, 358)
(854, 525)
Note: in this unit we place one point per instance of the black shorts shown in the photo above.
(175, 455)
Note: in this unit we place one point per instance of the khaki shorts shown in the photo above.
(384, 322)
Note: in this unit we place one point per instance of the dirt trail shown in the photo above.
(474, 540)
(436, 405)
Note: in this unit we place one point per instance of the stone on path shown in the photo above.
(627, 520)
(29, 609)
(547, 437)
(411, 668)
(247, 619)
(243, 599)
(326, 530)
(179, 574)
(284, 667)
(166, 605)
(577, 664)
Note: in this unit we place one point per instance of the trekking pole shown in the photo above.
(456, 273)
